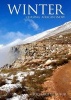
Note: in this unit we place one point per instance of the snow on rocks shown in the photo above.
(19, 97)
(40, 68)
(11, 77)
(4, 75)
(8, 81)
(8, 87)
(22, 75)
(49, 67)
(31, 73)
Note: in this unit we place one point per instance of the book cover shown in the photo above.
(35, 50)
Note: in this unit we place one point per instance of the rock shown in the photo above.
(48, 62)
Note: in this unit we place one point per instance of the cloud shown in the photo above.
(33, 24)
(11, 36)
(15, 35)
(1, 45)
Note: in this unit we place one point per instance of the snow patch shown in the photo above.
(8, 87)
(20, 97)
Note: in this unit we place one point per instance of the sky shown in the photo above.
(15, 26)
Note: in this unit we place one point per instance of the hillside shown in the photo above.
(34, 71)
(7, 57)
(54, 48)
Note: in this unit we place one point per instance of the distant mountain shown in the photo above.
(7, 56)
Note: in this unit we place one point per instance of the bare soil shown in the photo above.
(59, 85)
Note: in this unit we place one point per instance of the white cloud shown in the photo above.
(15, 35)
(11, 36)
(1, 45)
(33, 24)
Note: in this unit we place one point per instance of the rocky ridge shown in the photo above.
(55, 48)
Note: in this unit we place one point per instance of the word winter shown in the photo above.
(44, 9)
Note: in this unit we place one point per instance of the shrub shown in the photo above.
(14, 81)
(62, 61)
(69, 57)
(9, 95)
(2, 92)
(3, 95)
(39, 96)
(2, 81)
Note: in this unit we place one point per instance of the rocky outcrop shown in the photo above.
(47, 49)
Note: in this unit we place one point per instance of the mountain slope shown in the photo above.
(7, 56)
(49, 33)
